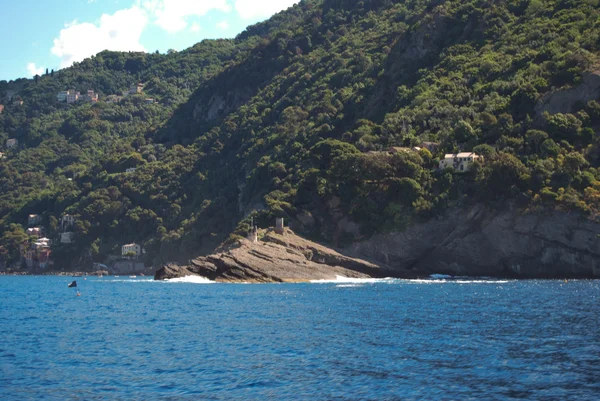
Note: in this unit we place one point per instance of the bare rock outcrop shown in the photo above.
(483, 242)
(275, 258)
(562, 100)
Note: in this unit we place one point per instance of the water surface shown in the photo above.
(137, 339)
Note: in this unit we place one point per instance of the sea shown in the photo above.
(190, 339)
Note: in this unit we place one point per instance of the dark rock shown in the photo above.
(484, 242)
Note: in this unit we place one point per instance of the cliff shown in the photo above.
(276, 258)
(482, 242)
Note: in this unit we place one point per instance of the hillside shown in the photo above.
(294, 117)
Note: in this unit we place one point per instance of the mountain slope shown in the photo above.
(292, 119)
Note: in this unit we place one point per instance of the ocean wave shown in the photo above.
(191, 280)
(440, 280)
(455, 281)
(348, 280)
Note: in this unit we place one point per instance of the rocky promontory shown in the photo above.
(275, 258)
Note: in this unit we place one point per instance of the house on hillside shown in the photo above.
(69, 96)
(72, 96)
(18, 102)
(89, 97)
(149, 101)
(67, 237)
(129, 250)
(460, 161)
(67, 221)
(2, 155)
(130, 170)
(34, 219)
(135, 89)
(35, 231)
(41, 243)
(12, 143)
(1, 108)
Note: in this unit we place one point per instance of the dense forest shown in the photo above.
(293, 118)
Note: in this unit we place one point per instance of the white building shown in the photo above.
(35, 231)
(67, 221)
(41, 244)
(12, 143)
(128, 249)
(460, 161)
(67, 238)
(72, 97)
(130, 170)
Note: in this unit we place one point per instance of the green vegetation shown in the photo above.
(292, 118)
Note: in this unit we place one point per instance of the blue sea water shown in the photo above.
(136, 339)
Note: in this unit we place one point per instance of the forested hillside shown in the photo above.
(293, 118)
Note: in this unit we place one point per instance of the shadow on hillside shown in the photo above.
(218, 97)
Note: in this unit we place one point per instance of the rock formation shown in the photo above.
(483, 242)
(275, 258)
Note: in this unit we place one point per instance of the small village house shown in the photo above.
(34, 231)
(67, 237)
(130, 170)
(460, 161)
(129, 250)
(62, 96)
(43, 258)
(34, 219)
(18, 102)
(90, 97)
(41, 243)
(1, 108)
(72, 96)
(12, 143)
(67, 221)
(2, 156)
(149, 101)
(135, 89)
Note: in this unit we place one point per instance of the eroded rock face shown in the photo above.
(276, 258)
(563, 100)
(481, 242)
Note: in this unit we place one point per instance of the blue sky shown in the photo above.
(55, 33)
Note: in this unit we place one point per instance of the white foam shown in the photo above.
(191, 279)
(434, 281)
(348, 280)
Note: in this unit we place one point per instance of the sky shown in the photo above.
(54, 34)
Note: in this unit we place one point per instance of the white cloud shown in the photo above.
(120, 31)
(224, 25)
(195, 27)
(261, 8)
(33, 70)
(171, 15)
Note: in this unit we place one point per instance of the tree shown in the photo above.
(12, 240)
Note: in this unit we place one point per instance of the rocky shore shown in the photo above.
(476, 241)
(276, 258)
